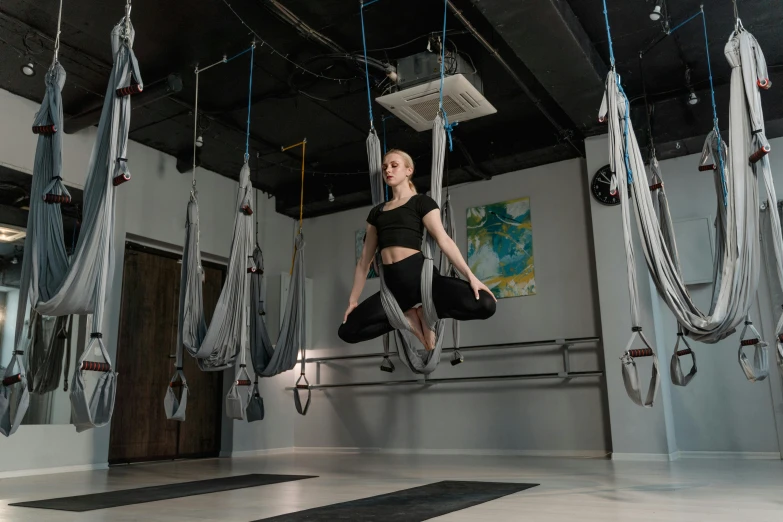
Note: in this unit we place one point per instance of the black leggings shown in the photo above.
(454, 299)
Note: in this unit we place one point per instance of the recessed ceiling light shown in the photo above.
(9, 233)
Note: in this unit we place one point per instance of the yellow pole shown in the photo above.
(303, 143)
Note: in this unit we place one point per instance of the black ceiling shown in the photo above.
(556, 54)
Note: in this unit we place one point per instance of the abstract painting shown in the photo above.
(500, 247)
(359, 245)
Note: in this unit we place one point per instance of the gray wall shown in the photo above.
(534, 416)
(720, 412)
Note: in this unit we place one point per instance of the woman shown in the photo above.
(396, 228)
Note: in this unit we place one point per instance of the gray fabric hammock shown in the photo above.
(409, 354)
(271, 360)
(55, 285)
(216, 348)
(750, 153)
(737, 262)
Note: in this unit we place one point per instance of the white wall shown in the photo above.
(544, 416)
(151, 206)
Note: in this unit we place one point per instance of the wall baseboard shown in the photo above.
(743, 455)
(662, 457)
(256, 453)
(645, 457)
(458, 452)
(51, 471)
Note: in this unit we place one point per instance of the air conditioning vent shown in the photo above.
(418, 105)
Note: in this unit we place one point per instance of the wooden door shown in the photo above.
(146, 344)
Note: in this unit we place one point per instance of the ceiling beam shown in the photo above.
(547, 37)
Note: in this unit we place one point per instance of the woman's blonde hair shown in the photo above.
(408, 161)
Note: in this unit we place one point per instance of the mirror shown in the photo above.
(51, 345)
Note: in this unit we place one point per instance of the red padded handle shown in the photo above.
(55, 198)
(756, 156)
(92, 366)
(686, 351)
(44, 130)
(127, 91)
(13, 379)
(749, 342)
(243, 382)
(122, 178)
(644, 352)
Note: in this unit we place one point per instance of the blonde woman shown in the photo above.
(396, 228)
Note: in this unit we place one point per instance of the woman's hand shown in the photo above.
(477, 285)
(351, 306)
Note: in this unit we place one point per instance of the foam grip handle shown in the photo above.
(704, 168)
(131, 89)
(387, 369)
(644, 352)
(176, 384)
(686, 351)
(656, 186)
(765, 83)
(44, 130)
(763, 151)
(56, 198)
(780, 337)
(243, 382)
(253, 270)
(13, 379)
(122, 178)
(246, 210)
(92, 366)
(302, 386)
(749, 342)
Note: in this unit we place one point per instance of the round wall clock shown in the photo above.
(601, 187)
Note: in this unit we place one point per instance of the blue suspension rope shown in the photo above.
(446, 125)
(249, 99)
(715, 113)
(628, 168)
(366, 68)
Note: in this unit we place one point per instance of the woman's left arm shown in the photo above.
(447, 245)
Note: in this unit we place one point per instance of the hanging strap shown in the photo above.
(96, 410)
(758, 370)
(631, 374)
(255, 406)
(678, 378)
(174, 407)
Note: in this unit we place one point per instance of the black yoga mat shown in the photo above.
(409, 505)
(127, 497)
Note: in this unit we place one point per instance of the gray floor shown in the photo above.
(582, 490)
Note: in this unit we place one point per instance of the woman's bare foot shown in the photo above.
(429, 336)
(413, 320)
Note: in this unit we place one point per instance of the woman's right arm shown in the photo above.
(362, 268)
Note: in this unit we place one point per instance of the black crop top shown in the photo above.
(403, 225)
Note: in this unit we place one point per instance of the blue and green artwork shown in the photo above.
(358, 246)
(500, 247)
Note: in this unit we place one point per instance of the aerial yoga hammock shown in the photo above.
(737, 260)
(268, 359)
(53, 284)
(217, 348)
(411, 357)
